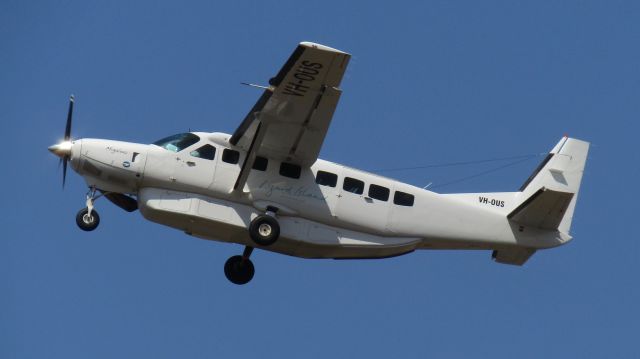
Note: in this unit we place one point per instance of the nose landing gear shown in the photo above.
(88, 218)
(87, 221)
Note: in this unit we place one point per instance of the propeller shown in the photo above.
(63, 149)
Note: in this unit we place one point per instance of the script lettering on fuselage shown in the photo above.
(491, 201)
(301, 192)
(305, 74)
(114, 150)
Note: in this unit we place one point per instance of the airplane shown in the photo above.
(265, 187)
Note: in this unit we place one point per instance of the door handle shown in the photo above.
(191, 163)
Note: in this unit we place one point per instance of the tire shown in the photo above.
(264, 230)
(239, 270)
(85, 222)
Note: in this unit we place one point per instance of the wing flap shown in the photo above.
(300, 142)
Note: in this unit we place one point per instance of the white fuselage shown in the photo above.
(366, 216)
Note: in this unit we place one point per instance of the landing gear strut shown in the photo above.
(239, 269)
(264, 230)
(88, 218)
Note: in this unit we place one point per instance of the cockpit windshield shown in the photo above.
(177, 143)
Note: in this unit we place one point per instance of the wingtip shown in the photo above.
(315, 45)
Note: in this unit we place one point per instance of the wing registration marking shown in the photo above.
(306, 73)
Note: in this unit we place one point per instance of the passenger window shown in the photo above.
(379, 192)
(403, 199)
(326, 178)
(353, 185)
(260, 163)
(290, 170)
(230, 156)
(206, 152)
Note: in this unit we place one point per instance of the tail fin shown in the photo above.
(551, 191)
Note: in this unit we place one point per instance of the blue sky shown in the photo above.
(429, 82)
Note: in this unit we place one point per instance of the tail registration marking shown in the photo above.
(491, 201)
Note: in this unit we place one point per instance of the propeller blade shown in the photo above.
(67, 130)
(64, 171)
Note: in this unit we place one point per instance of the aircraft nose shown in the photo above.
(62, 149)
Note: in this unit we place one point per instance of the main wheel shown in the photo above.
(239, 270)
(264, 230)
(87, 222)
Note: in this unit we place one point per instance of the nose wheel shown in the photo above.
(88, 218)
(87, 221)
(239, 269)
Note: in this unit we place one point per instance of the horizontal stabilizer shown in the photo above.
(515, 256)
(544, 209)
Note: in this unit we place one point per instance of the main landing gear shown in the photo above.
(239, 269)
(264, 230)
(88, 218)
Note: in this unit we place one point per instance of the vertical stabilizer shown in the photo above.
(551, 192)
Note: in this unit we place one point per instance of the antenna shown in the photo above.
(254, 85)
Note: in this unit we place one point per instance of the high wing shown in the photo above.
(291, 118)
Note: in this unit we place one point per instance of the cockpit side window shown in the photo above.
(206, 152)
(230, 156)
(177, 143)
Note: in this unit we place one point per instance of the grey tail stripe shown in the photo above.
(535, 173)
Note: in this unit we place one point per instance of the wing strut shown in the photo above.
(251, 116)
(250, 157)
